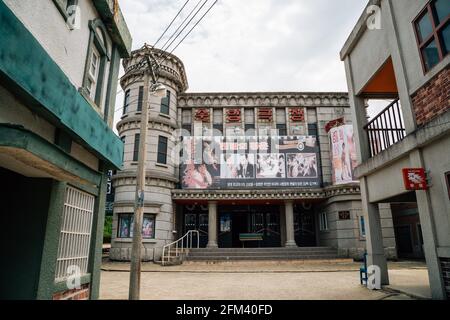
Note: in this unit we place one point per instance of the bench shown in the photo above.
(243, 237)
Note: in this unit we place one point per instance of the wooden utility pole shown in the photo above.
(135, 268)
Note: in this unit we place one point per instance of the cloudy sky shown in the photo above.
(254, 45)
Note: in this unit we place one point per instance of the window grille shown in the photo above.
(76, 228)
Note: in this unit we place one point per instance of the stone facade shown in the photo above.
(200, 113)
(433, 99)
(161, 177)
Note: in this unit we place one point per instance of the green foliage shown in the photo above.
(107, 230)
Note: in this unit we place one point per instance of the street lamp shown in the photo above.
(159, 90)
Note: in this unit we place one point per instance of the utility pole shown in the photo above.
(135, 268)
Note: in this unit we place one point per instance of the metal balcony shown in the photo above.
(386, 129)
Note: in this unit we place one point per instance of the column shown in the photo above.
(289, 215)
(212, 225)
(374, 236)
(437, 284)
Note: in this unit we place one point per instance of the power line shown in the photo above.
(167, 29)
(166, 46)
(201, 18)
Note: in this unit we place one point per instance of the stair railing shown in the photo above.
(179, 246)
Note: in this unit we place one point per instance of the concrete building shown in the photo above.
(399, 50)
(59, 64)
(253, 190)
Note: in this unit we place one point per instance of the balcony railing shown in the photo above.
(386, 129)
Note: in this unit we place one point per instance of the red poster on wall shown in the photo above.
(415, 179)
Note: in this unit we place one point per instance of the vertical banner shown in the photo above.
(344, 159)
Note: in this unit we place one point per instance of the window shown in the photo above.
(432, 28)
(97, 62)
(137, 139)
(123, 141)
(250, 130)
(162, 150)
(165, 103)
(126, 225)
(312, 129)
(249, 116)
(75, 237)
(126, 101)
(282, 129)
(323, 221)
(93, 74)
(362, 227)
(140, 98)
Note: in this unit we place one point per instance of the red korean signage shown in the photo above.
(334, 124)
(265, 114)
(297, 114)
(415, 179)
(202, 115)
(233, 115)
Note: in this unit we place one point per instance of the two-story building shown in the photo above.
(276, 164)
(399, 50)
(59, 66)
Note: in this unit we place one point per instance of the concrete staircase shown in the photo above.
(258, 254)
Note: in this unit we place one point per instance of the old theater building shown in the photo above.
(275, 164)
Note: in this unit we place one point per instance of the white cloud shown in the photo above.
(255, 45)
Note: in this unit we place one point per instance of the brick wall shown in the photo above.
(445, 264)
(433, 99)
(73, 294)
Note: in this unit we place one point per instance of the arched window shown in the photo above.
(98, 57)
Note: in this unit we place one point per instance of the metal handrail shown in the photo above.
(188, 237)
(386, 129)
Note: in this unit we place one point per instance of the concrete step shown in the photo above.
(255, 257)
(261, 253)
(249, 254)
(282, 249)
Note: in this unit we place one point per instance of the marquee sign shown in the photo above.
(250, 162)
(415, 179)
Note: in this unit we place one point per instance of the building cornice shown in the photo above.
(288, 194)
(136, 120)
(258, 99)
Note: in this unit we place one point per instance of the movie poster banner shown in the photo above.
(250, 162)
(344, 160)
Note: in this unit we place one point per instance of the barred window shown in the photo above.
(323, 220)
(76, 228)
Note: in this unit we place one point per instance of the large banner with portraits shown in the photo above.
(344, 159)
(250, 162)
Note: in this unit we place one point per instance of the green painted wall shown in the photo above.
(27, 70)
(23, 219)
